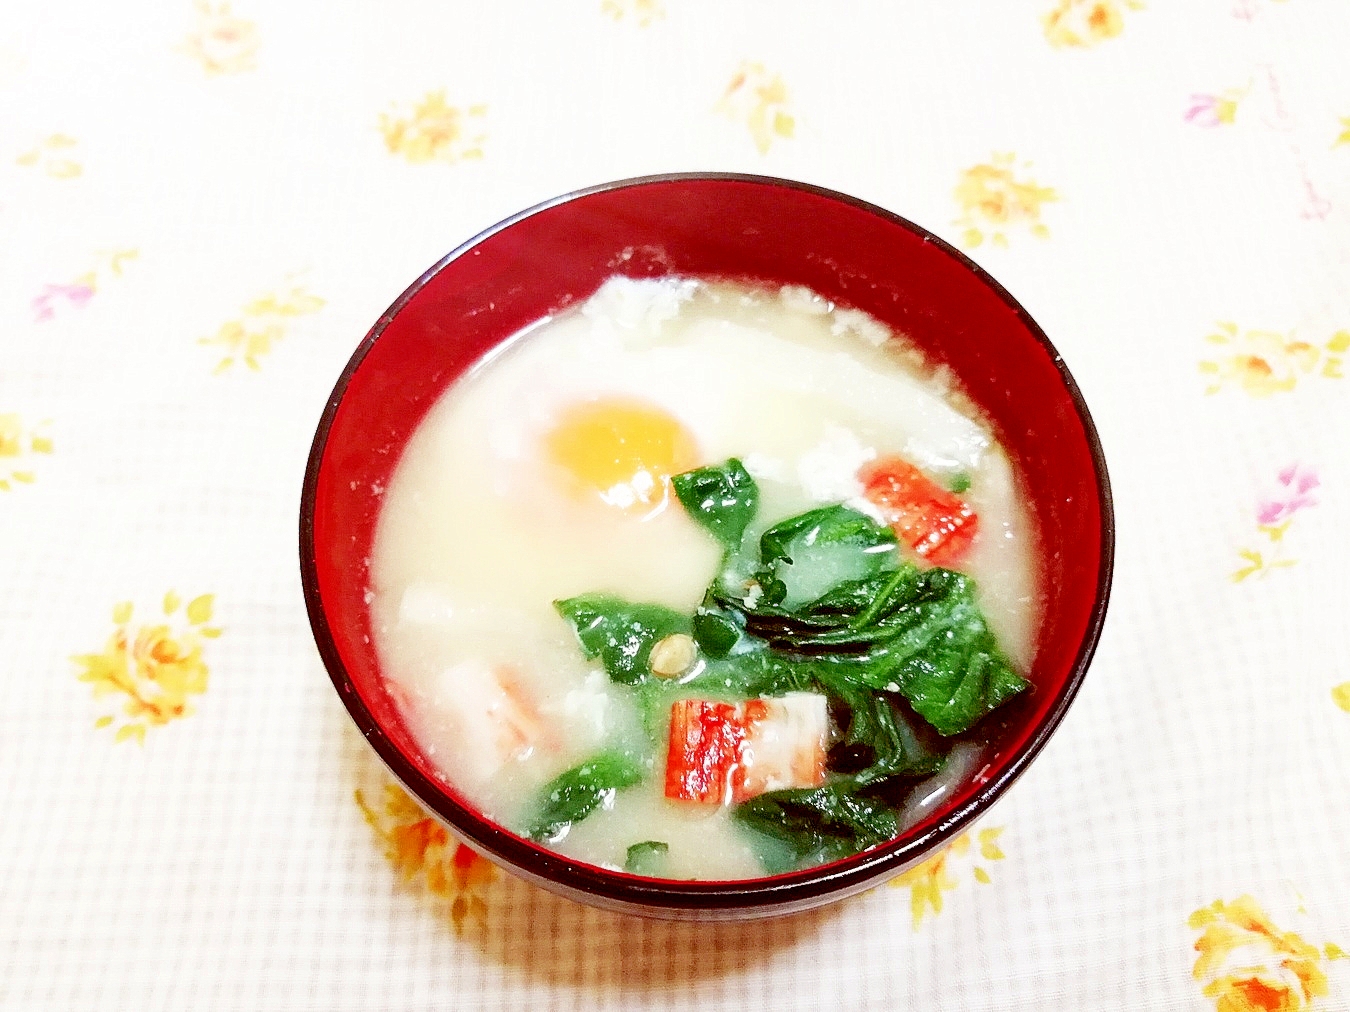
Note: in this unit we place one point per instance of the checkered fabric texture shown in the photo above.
(203, 208)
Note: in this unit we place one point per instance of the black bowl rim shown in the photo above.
(748, 897)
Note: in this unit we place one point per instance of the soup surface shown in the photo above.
(670, 582)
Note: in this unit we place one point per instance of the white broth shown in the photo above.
(507, 500)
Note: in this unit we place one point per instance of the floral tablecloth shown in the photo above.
(203, 209)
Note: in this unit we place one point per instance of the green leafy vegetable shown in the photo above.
(903, 654)
(877, 763)
(940, 654)
(820, 823)
(959, 482)
(619, 632)
(890, 749)
(716, 632)
(647, 858)
(776, 855)
(916, 632)
(653, 699)
(803, 557)
(827, 525)
(724, 499)
(573, 795)
(920, 633)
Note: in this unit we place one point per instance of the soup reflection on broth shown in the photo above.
(704, 580)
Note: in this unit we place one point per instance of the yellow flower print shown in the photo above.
(12, 64)
(1340, 695)
(1257, 563)
(1086, 22)
(425, 855)
(222, 43)
(644, 12)
(53, 155)
(433, 130)
(260, 325)
(1208, 109)
(759, 99)
(928, 881)
(1265, 362)
(1247, 964)
(18, 446)
(993, 200)
(157, 665)
(1344, 138)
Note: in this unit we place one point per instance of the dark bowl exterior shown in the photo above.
(725, 226)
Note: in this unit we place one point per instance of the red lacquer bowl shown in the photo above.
(714, 225)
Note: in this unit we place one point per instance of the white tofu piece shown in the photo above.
(588, 706)
(864, 326)
(639, 303)
(828, 472)
(425, 604)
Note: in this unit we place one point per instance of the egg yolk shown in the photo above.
(624, 450)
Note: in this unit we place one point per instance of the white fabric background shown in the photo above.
(223, 864)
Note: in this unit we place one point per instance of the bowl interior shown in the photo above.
(735, 227)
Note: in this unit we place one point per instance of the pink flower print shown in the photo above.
(1211, 110)
(1315, 207)
(1297, 482)
(1274, 516)
(45, 303)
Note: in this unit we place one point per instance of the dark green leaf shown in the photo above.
(846, 619)
(776, 855)
(647, 858)
(772, 592)
(653, 699)
(715, 632)
(619, 632)
(957, 685)
(827, 525)
(753, 670)
(939, 653)
(723, 499)
(573, 795)
(917, 632)
(820, 823)
(896, 754)
(806, 556)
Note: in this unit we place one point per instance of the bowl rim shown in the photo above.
(745, 897)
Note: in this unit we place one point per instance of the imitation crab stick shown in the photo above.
(937, 524)
(492, 715)
(784, 744)
(721, 752)
(705, 747)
